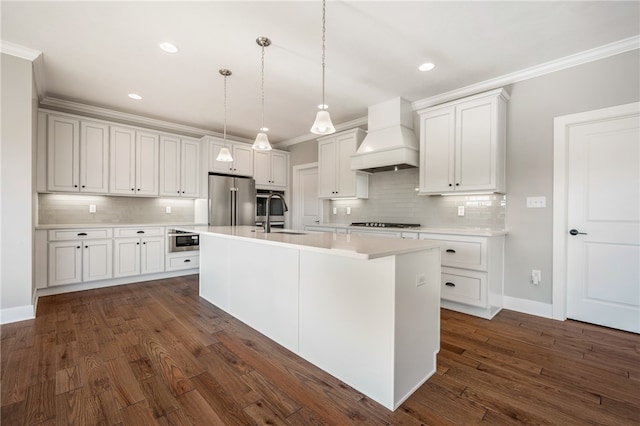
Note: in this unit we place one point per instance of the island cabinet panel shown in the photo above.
(372, 321)
(263, 296)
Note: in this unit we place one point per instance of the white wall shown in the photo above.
(16, 190)
(533, 105)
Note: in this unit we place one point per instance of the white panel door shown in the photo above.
(169, 166)
(437, 150)
(190, 169)
(147, 159)
(327, 168)
(65, 262)
(242, 159)
(62, 153)
(94, 157)
(152, 255)
(126, 257)
(97, 260)
(262, 167)
(603, 259)
(122, 176)
(476, 145)
(346, 180)
(279, 169)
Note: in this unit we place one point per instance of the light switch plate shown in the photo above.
(536, 202)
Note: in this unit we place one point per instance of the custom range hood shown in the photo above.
(390, 143)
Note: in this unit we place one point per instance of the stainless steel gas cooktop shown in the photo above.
(386, 225)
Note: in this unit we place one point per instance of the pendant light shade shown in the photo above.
(262, 141)
(323, 125)
(224, 155)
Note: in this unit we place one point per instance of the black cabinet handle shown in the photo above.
(450, 185)
(83, 186)
(187, 260)
(178, 192)
(138, 189)
(457, 184)
(86, 246)
(137, 244)
(75, 186)
(451, 251)
(140, 232)
(82, 234)
(132, 189)
(450, 284)
(144, 242)
(576, 232)
(78, 247)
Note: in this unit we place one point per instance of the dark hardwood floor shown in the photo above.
(155, 353)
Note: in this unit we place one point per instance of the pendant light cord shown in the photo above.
(323, 48)
(262, 128)
(225, 111)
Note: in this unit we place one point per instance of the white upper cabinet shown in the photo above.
(179, 167)
(134, 162)
(271, 168)
(77, 155)
(462, 145)
(335, 177)
(242, 154)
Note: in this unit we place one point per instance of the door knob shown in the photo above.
(575, 232)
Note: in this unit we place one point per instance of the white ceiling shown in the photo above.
(97, 52)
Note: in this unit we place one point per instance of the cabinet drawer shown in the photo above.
(461, 252)
(143, 231)
(466, 287)
(175, 263)
(82, 234)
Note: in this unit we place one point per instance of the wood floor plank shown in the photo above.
(131, 354)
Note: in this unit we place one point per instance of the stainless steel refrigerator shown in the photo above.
(232, 200)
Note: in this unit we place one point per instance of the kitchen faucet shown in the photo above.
(267, 222)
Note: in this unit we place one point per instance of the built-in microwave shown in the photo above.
(277, 208)
(182, 241)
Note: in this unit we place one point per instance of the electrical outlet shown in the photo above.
(167, 209)
(460, 210)
(536, 276)
(536, 202)
(348, 210)
(92, 208)
(420, 280)
(335, 210)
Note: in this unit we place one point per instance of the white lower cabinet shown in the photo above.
(179, 261)
(472, 273)
(79, 260)
(138, 255)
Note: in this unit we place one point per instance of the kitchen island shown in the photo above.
(365, 309)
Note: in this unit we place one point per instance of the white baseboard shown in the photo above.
(528, 307)
(19, 313)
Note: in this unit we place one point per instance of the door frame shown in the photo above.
(296, 218)
(561, 127)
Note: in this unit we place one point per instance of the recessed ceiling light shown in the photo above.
(169, 47)
(135, 96)
(427, 66)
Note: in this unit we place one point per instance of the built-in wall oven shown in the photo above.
(182, 241)
(277, 208)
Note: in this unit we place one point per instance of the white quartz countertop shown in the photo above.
(109, 225)
(357, 246)
(480, 232)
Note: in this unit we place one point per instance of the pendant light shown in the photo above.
(224, 154)
(323, 124)
(262, 142)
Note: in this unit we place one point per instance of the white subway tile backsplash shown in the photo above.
(54, 209)
(393, 197)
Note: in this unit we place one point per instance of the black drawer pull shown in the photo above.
(450, 284)
(451, 251)
(140, 232)
(82, 234)
(187, 260)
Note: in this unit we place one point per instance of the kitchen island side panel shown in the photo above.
(417, 320)
(214, 271)
(347, 320)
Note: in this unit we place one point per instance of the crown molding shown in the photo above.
(362, 121)
(124, 117)
(18, 51)
(611, 49)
